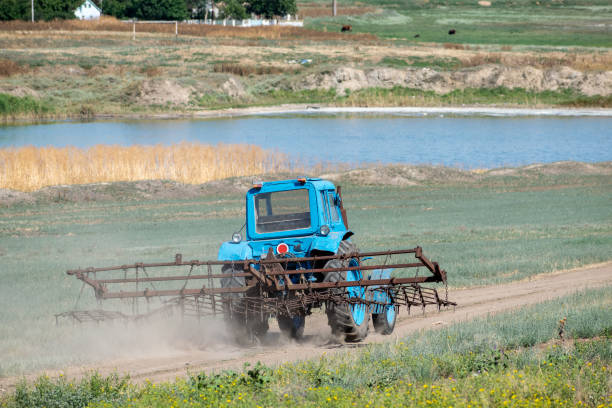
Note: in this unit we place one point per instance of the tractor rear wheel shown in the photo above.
(350, 320)
(245, 326)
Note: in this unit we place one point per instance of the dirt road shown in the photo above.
(472, 303)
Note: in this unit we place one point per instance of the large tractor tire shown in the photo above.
(246, 328)
(348, 320)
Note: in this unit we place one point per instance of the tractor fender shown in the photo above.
(330, 242)
(231, 251)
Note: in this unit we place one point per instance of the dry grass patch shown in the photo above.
(200, 30)
(152, 71)
(453, 46)
(319, 10)
(578, 61)
(8, 68)
(250, 69)
(31, 168)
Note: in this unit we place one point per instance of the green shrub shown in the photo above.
(14, 106)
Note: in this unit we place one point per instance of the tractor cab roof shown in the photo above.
(280, 185)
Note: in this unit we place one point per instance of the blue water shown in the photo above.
(466, 142)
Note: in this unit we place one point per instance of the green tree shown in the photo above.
(55, 9)
(115, 8)
(43, 9)
(160, 9)
(14, 10)
(271, 8)
(196, 8)
(235, 9)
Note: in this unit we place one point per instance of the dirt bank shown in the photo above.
(489, 76)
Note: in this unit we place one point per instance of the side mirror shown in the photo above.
(338, 200)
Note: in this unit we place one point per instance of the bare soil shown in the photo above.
(318, 340)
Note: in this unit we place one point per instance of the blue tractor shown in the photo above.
(297, 236)
(297, 256)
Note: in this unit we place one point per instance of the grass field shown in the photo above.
(514, 23)
(502, 360)
(482, 231)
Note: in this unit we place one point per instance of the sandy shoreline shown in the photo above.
(404, 111)
(312, 109)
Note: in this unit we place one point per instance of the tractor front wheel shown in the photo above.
(384, 322)
(348, 319)
(292, 326)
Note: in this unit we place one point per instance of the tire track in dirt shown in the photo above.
(472, 303)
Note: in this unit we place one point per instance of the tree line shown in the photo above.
(147, 9)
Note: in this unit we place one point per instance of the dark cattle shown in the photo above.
(451, 32)
(346, 28)
(417, 35)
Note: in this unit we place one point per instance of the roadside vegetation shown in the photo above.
(557, 353)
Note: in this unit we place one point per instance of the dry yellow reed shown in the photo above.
(30, 168)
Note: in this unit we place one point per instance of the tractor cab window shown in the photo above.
(282, 211)
(333, 207)
(325, 207)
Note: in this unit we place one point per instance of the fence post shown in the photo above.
(176, 29)
(133, 31)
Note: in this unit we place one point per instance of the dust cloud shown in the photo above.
(153, 338)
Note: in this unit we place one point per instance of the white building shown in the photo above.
(88, 11)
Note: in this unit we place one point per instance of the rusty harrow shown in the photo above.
(195, 288)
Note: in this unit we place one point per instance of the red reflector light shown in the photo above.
(301, 180)
(282, 248)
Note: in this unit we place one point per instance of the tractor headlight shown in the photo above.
(324, 230)
(236, 237)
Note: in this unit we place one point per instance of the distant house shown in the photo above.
(88, 11)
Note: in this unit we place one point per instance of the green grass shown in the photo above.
(486, 362)
(501, 229)
(521, 22)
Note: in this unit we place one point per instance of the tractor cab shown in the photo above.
(300, 217)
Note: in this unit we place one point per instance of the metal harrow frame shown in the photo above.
(268, 289)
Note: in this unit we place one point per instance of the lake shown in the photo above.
(461, 141)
